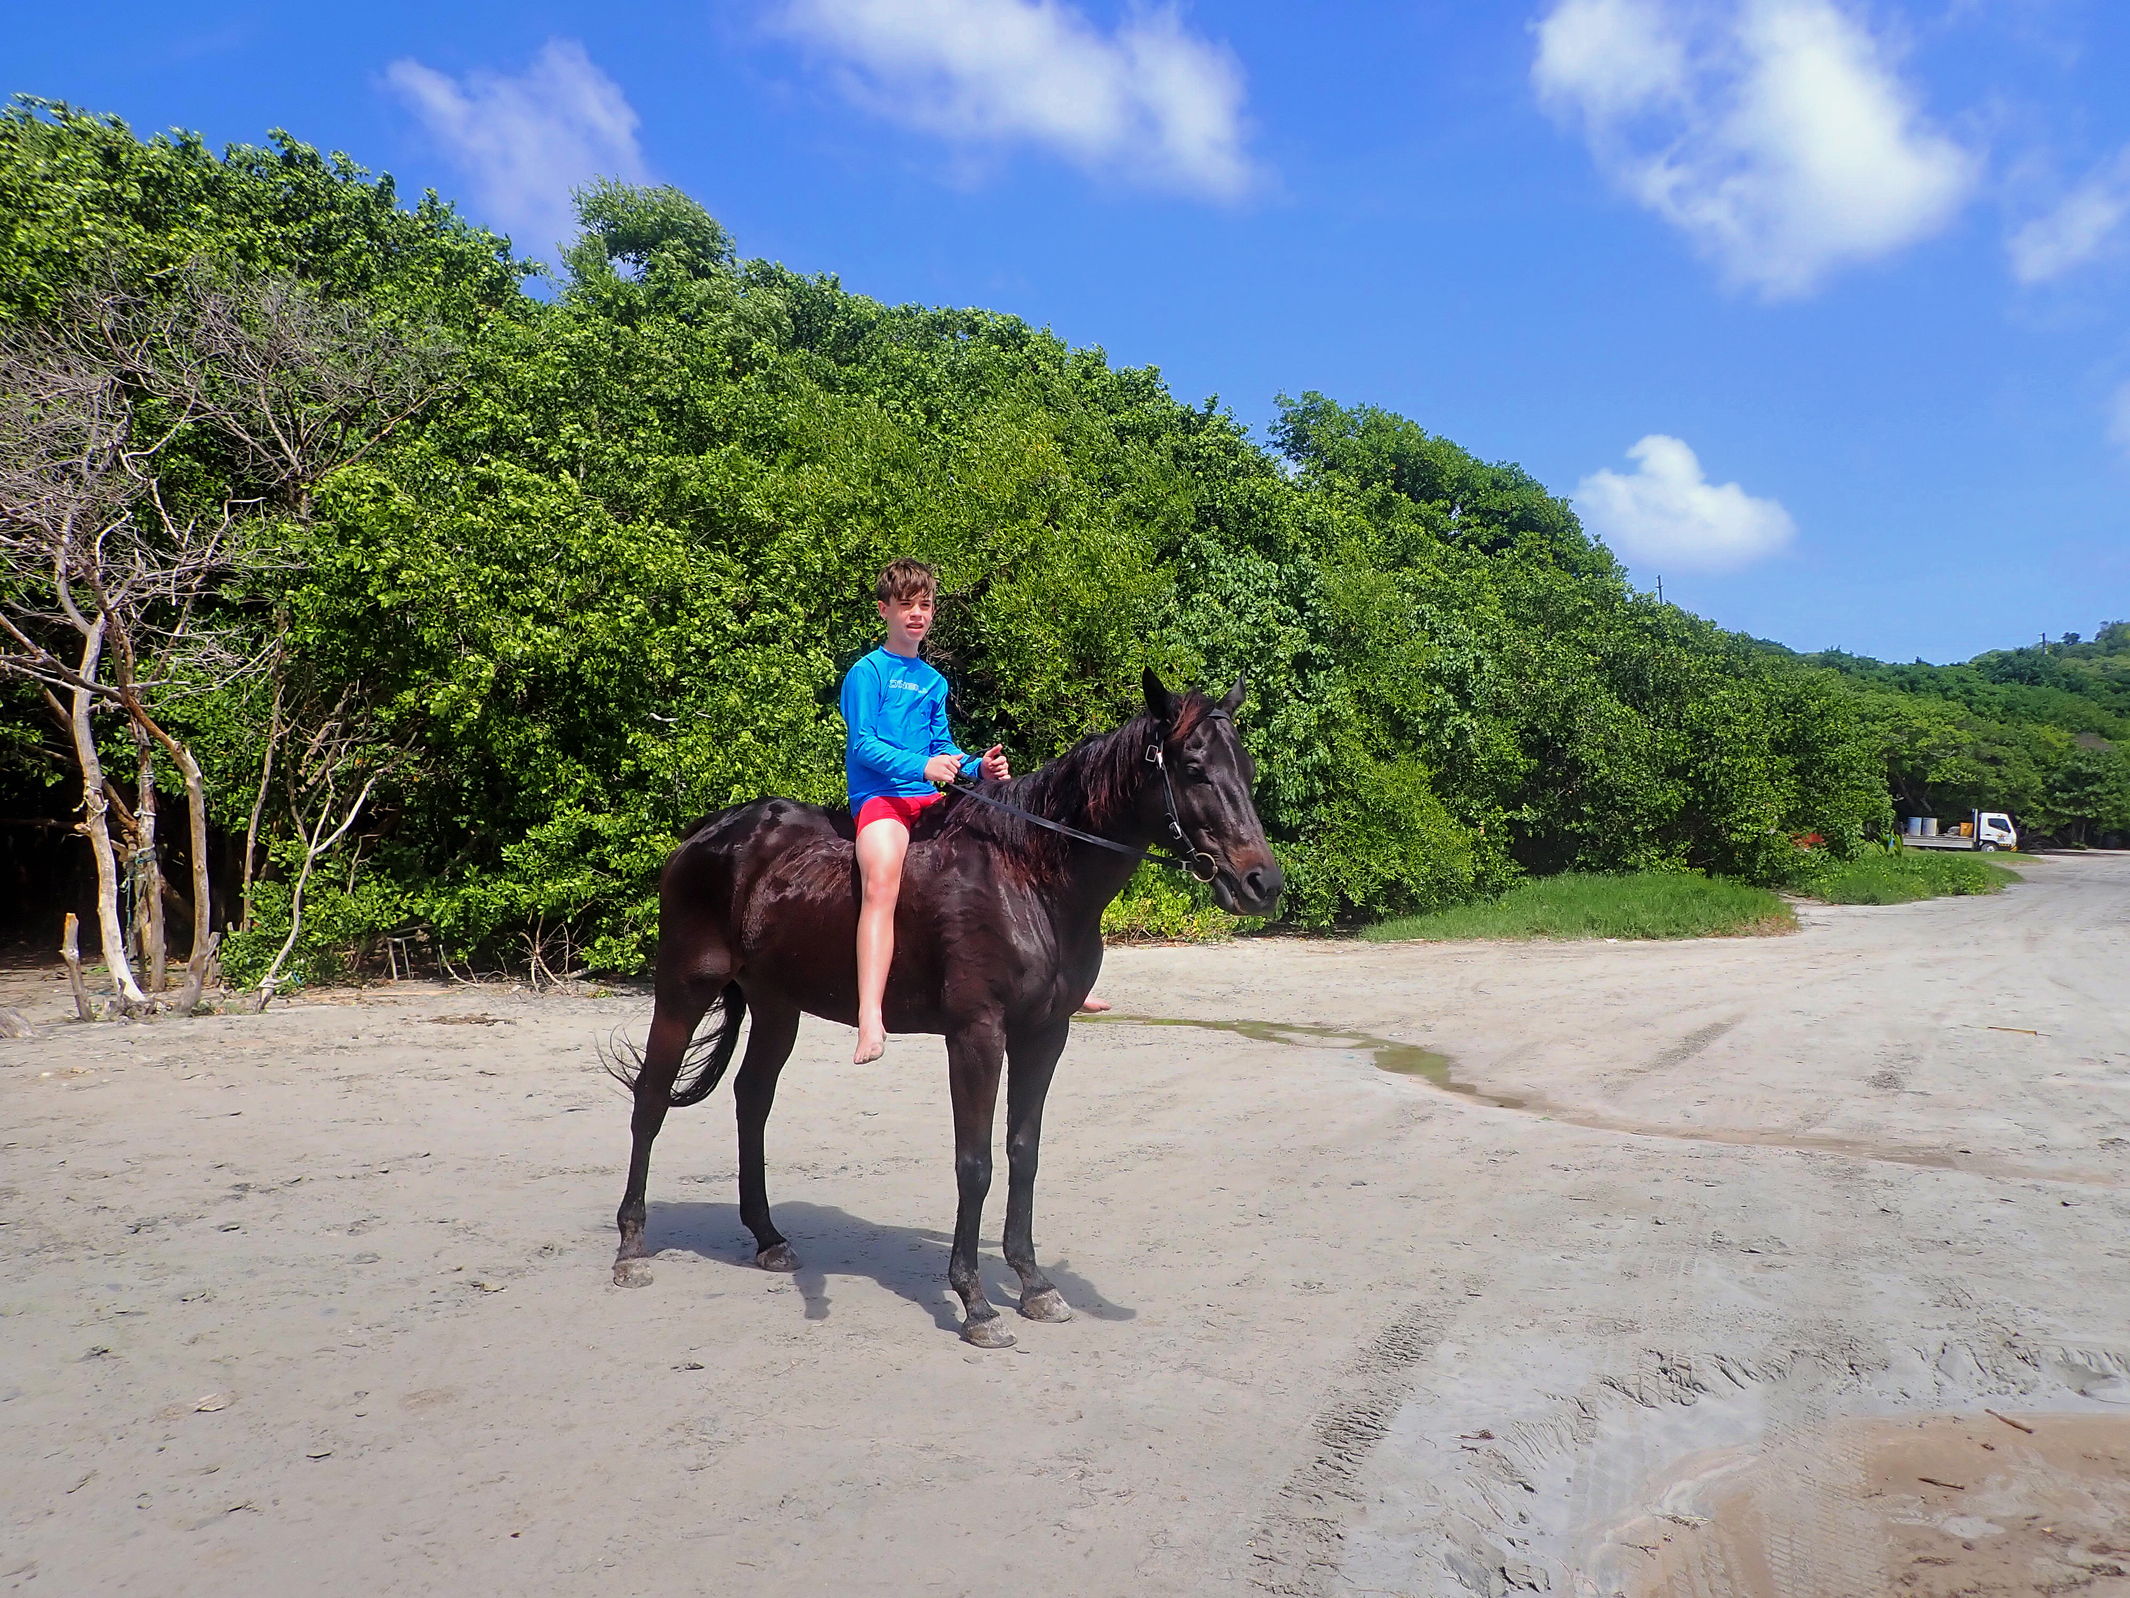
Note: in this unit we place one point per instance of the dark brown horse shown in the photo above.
(997, 940)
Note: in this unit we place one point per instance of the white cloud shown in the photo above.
(2119, 419)
(1665, 512)
(1151, 102)
(2079, 230)
(1773, 133)
(525, 142)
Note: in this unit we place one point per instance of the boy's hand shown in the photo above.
(994, 764)
(941, 770)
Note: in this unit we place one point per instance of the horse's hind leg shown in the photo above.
(680, 1008)
(775, 1029)
(1031, 1060)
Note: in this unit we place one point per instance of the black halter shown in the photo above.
(1197, 864)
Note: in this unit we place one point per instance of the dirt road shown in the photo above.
(320, 1303)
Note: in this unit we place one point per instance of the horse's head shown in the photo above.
(1210, 773)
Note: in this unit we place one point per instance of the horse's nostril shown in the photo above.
(1263, 885)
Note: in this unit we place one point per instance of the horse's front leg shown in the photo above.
(769, 1040)
(1033, 1059)
(975, 1052)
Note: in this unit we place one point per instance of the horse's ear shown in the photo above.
(1160, 703)
(1231, 701)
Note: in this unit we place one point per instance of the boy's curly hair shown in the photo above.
(903, 578)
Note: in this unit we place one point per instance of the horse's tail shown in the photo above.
(703, 1062)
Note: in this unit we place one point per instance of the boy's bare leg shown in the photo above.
(881, 847)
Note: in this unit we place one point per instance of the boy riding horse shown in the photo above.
(897, 758)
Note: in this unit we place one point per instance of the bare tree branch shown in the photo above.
(113, 572)
(338, 747)
(297, 385)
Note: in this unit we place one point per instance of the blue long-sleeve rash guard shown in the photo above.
(895, 708)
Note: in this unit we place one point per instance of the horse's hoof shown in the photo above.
(777, 1257)
(1048, 1305)
(632, 1273)
(986, 1334)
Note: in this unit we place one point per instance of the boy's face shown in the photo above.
(908, 620)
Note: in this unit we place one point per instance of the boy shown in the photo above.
(897, 757)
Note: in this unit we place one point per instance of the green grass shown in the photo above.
(1650, 904)
(1901, 876)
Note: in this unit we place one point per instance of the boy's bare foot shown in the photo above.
(872, 1043)
(1092, 1005)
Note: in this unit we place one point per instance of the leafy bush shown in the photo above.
(1900, 876)
(341, 926)
(1156, 907)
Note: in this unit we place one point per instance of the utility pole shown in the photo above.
(1660, 588)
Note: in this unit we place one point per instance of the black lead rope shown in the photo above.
(1198, 864)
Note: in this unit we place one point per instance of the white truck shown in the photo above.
(1984, 829)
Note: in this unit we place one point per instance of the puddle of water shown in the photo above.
(1402, 1059)
(1930, 1503)
(1409, 1059)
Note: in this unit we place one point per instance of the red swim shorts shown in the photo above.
(883, 806)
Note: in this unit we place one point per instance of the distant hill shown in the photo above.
(2042, 731)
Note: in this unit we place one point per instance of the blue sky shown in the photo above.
(1815, 307)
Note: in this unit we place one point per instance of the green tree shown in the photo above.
(610, 577)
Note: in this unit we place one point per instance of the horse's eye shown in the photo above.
(1194, 772)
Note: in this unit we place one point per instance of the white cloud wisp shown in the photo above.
(1773, 133)
(2119, 419)
(1667, 513)
(2081, 228)
(1151, 103)
(525, 142)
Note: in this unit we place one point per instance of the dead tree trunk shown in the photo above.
(98, 829)
(203, 939)
(258, 804)
(146, 872)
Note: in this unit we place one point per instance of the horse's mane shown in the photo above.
(1092, 786)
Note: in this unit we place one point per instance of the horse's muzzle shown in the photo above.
(1253, 891)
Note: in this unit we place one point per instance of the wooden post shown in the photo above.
(70, 951)
(196, 978)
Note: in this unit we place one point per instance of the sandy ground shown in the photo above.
(319, 1303)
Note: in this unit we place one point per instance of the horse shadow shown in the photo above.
(909, 1261)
